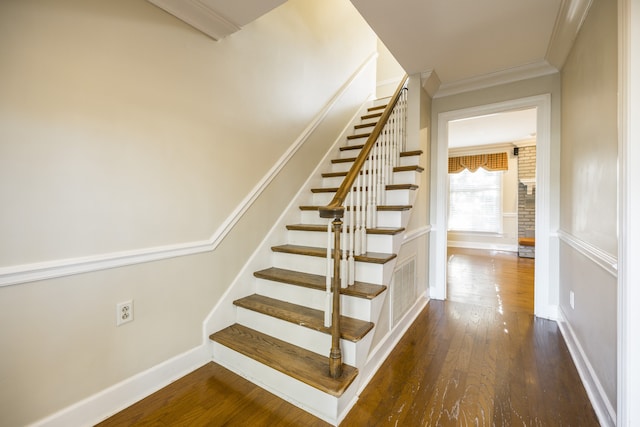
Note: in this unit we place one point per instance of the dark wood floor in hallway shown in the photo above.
(478, 359)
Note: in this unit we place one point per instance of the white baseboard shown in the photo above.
(605, 411)
(109, 401)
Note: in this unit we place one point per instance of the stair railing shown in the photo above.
(372, 170)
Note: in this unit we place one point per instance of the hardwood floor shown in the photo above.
(490, 278)
(481, 358)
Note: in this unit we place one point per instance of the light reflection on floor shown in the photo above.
(491, 278)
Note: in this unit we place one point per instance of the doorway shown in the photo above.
(544, 261)
(491, 182)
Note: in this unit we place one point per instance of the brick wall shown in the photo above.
(526, 202)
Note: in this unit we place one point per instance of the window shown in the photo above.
(475, 201)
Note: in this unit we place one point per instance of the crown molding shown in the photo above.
(430, 82)
(216, 19)
(528, 71)
(199, 16)
(570, 17)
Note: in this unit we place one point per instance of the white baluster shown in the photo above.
(327, 302)
(369, 191)
(352, 232)
(374, 185)
(358, 206)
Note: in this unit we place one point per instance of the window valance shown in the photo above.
(490, 162)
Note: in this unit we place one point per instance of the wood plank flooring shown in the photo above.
(490, 278)
(481, 358)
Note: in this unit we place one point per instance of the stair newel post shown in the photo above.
(335, 357)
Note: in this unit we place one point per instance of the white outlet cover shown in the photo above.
(124, 312)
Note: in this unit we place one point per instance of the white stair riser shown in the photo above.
(349, 154)
(358, 308)
(322, 405)
(375, 242)
(392, 218)
(365, 271)
(312, 217)
(300, 295)
(341, 167)
(409, 160)
(366, 121)
(384, 218)
(333, 181)
(404, 177)
(391, 197)
(404, 161)
(310, 339)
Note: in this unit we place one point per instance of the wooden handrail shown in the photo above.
(335, 209)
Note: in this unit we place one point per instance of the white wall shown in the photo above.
(588, 220)
(124, 129)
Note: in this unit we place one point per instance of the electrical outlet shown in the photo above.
(124, 312)
(572, 299)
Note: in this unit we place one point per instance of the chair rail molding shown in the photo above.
(604, 260)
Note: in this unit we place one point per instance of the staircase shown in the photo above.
(280, 340)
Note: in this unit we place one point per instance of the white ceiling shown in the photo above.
(461, 45)
(471, 42)
(508, 127)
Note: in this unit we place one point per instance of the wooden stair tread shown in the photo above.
(371, 257)
(385, 208)
(365, 125)
(301, 364)
(387, 187)
(350, 329)
(395, 169)
(408, 168)
(411, 153)
(371, 116)
(388, 231)
(315, 281)
(359, 135)
(377, 107)
(402, 154)
(351, 147)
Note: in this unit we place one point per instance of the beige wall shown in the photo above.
(589, 189)
(589, 132)
(388, 72)
(123, 129)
